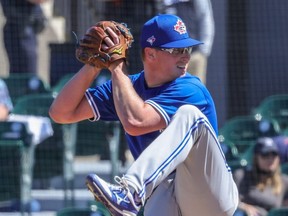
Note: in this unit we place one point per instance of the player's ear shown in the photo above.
(149, 53)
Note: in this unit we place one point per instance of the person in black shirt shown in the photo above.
(24, 20)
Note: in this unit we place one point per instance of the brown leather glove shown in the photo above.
(89, 49)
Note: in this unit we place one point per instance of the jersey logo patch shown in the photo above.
(151, 40)
(180, 27)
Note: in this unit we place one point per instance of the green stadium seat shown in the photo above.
(103, 77)
(13, 130)
(101, 139)
(243, 131)
(231, 154)
(11, 172)
(98, 206)
(35, 104)
(275, 109)
(54, 155)
(49, 153)
(16, 159)
(92, 139)
(278, 212)
(77, 211)
(284, 168)
(24, 84)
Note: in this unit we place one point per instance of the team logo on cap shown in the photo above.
(151, 40)
(180, 27)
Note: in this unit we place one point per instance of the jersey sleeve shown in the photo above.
(100, 99)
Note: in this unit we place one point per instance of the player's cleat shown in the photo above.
(117, 198)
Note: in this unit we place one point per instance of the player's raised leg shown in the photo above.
(188, 134)
(211, 189)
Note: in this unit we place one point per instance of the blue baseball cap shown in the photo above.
(265, 145)
(166, 31)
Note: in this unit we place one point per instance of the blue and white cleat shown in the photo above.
(117, 198)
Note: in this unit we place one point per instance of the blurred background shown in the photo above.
(247, 66)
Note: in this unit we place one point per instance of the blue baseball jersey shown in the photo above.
(166, 99)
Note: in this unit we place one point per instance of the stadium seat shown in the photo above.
(278, 212)
(243, 131)
(92, 139)
(11, 171)
(13, 130)
(103, 77)
(77, 211)
(95, 205)
(54, 155)
(275, 109)
(231, 153)
(101, 139)
(98, 206)
(24, 84)
(284, 168)
(16, 166)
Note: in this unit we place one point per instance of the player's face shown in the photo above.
(269, 161)
(174, 61)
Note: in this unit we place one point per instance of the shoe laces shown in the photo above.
(123, 184)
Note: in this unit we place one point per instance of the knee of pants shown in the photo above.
(189, 111)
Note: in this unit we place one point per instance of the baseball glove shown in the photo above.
(89, 49)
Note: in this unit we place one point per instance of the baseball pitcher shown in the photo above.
(168, 115)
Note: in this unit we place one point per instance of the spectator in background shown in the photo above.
(24, 20)
(5, 101)
(263, 186)
(282, 144)
(198, 16)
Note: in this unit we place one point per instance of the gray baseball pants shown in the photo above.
(184, 171)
